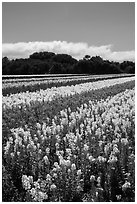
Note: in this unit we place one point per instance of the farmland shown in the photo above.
(71, 138)
(16, 84)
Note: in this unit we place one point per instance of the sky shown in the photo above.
(106, 29)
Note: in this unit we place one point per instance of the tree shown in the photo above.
(87, 57)
(64, 58)
(42, 55)
(49, 62)
(56, 68)
(130, 69)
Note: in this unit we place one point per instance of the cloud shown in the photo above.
(77, 50)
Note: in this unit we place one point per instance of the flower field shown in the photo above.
(25, 98)
(18, 85)
(70, 143)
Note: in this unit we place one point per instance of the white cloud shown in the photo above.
(77, 50)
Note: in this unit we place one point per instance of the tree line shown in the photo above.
(51, 63)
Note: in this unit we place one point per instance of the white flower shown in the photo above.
(115, 150)
(57, 145)
(69, 171)
(26, 182)
(68, 151)
(92, 178)
(68, 163)
(38, 145)
(56, 164)
(53, 187)
(33, 191)
(101, 159)
(12, 155)
(73, 167)
(79, 188)
(91, 158)
(18, 153)
(46, 160)
(112, 159)
(30, 179)
(126, 185)
(79, 172)
(48, 176)
(41, 196)
(55, 175)
(124, 141)
(36, 184)
(99, 180)
(38, 125)
(47, 150)
(86, 147)
(62, 161)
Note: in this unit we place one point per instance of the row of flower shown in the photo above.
(35, 84)
(24, 76)
(32, 84)
(39, 112)
(16, 80)
(27, 78)
(27, 98)
(82, 155)
(45, 111)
